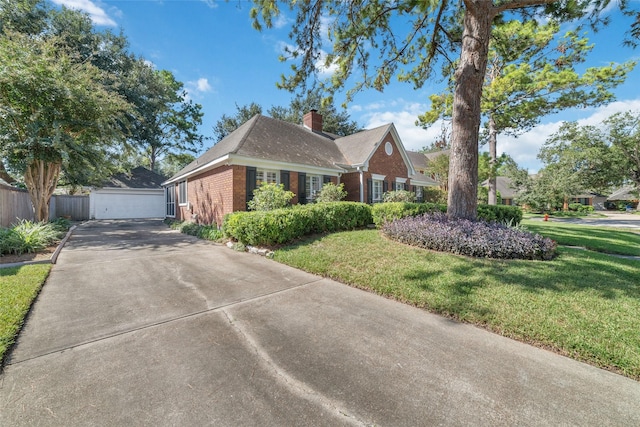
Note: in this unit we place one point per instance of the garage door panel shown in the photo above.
(127, 205)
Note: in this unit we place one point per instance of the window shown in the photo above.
(170, 199)
(266, 176)
(399, 186)
(377, 190)
(313, 187)
(419, 193)
(182, 193)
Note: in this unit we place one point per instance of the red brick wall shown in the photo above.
(213, 194)
(351, 183)
(380, 164)
(293, 186)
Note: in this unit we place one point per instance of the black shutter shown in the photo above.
(251, 182)
(326, 179)
(284, 179)
(385, 186)
(369, 190)
(302, 188)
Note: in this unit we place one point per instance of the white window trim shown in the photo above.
(186, 193)
(311, 193)
(264, 173)
(377, 177)
(373, 190)
(170, 190)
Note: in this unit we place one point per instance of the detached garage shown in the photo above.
(135, 195)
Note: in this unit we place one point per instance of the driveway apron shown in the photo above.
(141, 325)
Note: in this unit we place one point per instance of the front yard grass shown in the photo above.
(18, 288)
(600, 239)
(582, 304)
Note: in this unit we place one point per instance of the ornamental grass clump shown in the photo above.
(480, 239)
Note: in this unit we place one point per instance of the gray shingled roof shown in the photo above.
(139, 177)
(418, 159)
(504, 187)
(357, 148)
(626, 192)
(266, 138)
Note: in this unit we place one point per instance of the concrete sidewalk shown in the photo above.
(140, 325)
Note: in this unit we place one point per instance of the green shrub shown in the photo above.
(399, 196)
(434, 195)
(509, 215)
(268, 197)
(28, 237)
(266, 228)
(386, 212)
(331, 193)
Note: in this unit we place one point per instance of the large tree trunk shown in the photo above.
(463, 169)
(493, 160)
(41, 179)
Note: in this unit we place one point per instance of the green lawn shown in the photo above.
(601, 239)
(582, 304)
(18, 288)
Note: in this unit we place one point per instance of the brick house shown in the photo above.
(301, 157)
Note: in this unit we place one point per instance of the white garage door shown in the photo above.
(128, 203)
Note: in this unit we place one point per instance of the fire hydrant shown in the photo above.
(546, 217)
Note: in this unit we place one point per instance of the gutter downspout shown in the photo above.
(361, 184)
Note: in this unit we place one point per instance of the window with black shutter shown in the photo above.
(302, 185)
(284, 180)
(251, 182)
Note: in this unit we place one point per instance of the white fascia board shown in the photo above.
(275, 165)
(424, 183)
(403, 151)
(220, 161)
(118, 190)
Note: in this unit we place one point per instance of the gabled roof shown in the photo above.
(418, 159)
(359, 147)
(504, 186)
(266, 138)
(139, 177)
(626, 192)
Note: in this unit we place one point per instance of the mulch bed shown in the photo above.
(43, 255)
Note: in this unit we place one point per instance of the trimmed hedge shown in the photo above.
(472, 238)
(385, 212)
(390, 211)
(285, 225)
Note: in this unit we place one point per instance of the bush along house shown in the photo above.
(301, 157)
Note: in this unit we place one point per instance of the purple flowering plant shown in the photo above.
(480, 239)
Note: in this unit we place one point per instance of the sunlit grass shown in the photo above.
(601, 239)
(18, 288)
(582, 304)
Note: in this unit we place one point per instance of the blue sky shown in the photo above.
(211, 47)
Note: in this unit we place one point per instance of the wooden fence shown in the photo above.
(15, 204)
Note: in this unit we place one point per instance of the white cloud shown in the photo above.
(203, 85)
(281, 21)
(97, 13)
(524, 149)
(325, 70)
(211, 3)
(198, 87)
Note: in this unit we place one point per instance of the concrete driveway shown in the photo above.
(139, 325)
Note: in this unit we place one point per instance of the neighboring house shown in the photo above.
(625, 194)
(301, 157)
(505, 188)
(138, 194)
(590, 199)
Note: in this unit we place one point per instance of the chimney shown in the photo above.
(312, 120)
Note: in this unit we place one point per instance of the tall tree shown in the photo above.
(166, 121)
(227, 124)
(530, 74)
(56, 115)
(333, 121)
(359, 28)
